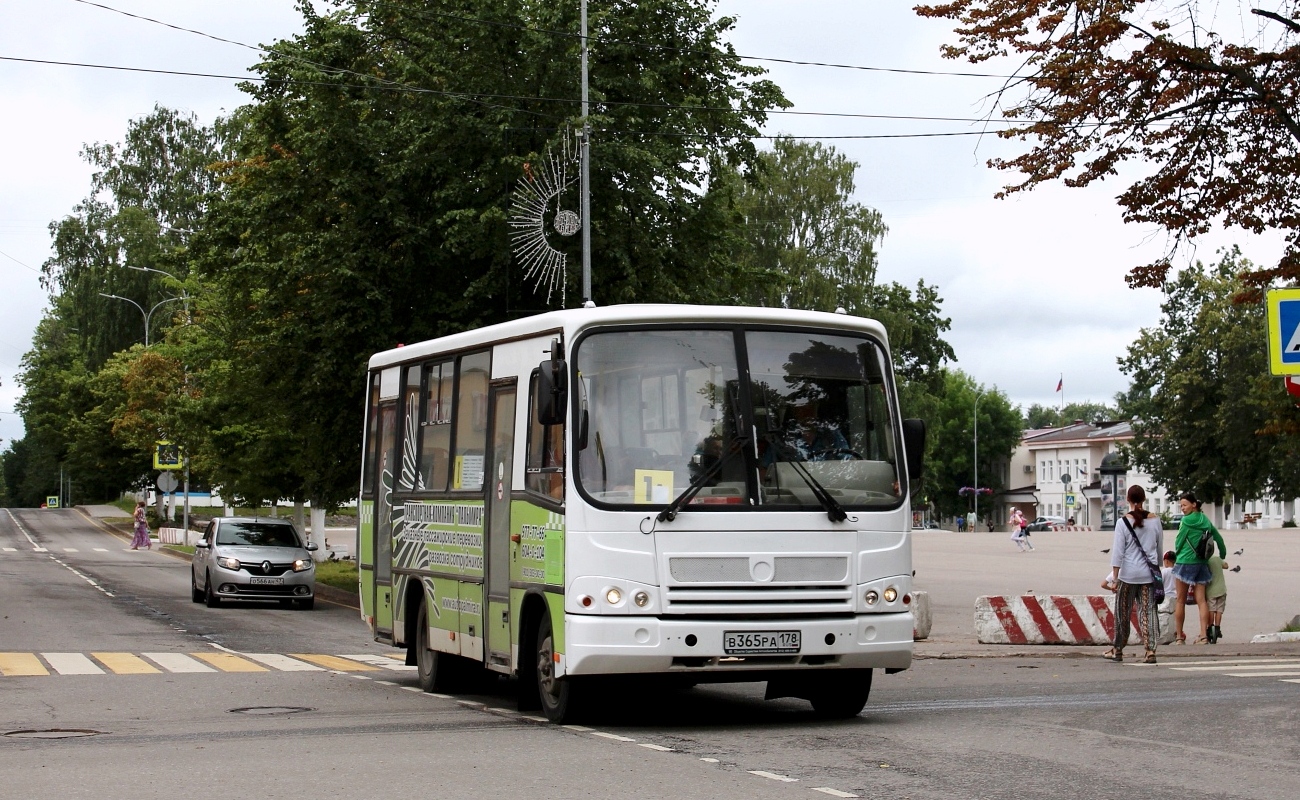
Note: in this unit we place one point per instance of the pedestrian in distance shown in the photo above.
(141, 537)
(1019, 532)
(1216, 597)
(1139, 538)
(1170, 582)
(1191, 568)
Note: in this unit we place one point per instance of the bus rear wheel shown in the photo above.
(559, 696)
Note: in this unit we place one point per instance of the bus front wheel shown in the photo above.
(559, 696)
(842, 697)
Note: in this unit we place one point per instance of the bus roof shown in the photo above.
(570, 321)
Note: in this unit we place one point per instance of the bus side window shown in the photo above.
(435, 426)
(544, 468)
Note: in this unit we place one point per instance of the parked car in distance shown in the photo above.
(1044, 523)
(252, 558)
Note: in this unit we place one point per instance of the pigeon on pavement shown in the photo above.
(1239, 552)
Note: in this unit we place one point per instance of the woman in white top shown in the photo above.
(1139, 541)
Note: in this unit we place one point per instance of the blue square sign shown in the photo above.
(1284, 331)
(1288, 317)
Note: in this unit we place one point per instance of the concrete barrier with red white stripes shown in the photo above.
(1071, 528)
(1054, 619)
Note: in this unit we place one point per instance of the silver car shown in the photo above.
(249, 558)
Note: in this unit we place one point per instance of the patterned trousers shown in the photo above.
(1148, 622)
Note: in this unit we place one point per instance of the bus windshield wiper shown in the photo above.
(697, 483)
(834, 511)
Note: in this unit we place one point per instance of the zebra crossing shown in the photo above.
(1286, 670)
(34, 664)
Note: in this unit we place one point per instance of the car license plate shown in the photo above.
(744, 643)
(266, 581)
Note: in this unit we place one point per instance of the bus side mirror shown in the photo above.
(914, 450)
(552, 391)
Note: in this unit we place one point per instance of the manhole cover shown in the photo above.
(271, 710)
(52, 733)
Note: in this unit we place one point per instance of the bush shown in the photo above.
(1290, 523)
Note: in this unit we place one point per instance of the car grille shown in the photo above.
(256, 568)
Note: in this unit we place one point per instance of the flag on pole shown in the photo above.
(1061, 383)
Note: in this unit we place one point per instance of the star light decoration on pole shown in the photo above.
(537, 200)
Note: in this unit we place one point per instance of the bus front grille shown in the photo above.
(757, 600)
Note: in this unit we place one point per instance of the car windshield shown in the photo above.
(257, 534)
(661, 407)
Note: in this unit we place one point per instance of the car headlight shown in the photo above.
(228, 563)
(302, 565)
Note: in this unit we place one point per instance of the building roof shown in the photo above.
(1079, 433)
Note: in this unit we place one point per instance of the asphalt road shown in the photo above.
(964, 722)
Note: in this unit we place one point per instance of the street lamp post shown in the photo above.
(146, 314)
(976, 464)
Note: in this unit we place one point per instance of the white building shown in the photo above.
(1056, 472)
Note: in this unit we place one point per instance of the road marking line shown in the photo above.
(177, 662)
(386, 683)
(471, 704)
(101, 549)
(335, 662)
(710, 760)
(658, 747)
(773, 776)
(14, 664)
(227, 662)
(411, 688)
(439, 696)
(125, 663)
(833, 792)
(1240, 661)
(532, 718)
(1224, 668)
(1262, 674)
(381, 661)
(11, 549)
(70, 550)
(40, 550)
(72, 664)
(1285, 680)
(578, 728)
(613, 736)
(282, 663)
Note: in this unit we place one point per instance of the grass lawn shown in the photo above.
(338, 574)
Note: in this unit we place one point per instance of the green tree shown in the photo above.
(1207, 414)
(1201, 96)
(1040, 416)
(368, 203)
(145, 198)
(806, 244)
(951, 441)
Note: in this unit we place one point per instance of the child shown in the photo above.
(1216, 594)
(1167, 575)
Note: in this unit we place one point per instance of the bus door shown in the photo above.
(496, 552)
(383, 547)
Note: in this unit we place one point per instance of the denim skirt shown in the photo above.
(1192, 573)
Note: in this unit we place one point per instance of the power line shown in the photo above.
(19, 263)
(397, 87)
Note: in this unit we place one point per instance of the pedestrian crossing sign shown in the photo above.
(1284, 331)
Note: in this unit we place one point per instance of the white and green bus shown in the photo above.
(711, 493)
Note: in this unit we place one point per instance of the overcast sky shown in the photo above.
(1034, 286)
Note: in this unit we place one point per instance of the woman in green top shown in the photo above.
(1192, 572)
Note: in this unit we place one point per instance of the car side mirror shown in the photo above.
(311, 547)
(201, 543)
(552, 391)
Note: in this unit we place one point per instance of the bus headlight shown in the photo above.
(871, 597)
(891, 594)
(642, 599)
(613, 596)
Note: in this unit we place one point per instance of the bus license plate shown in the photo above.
(745, 643)
(266, 581)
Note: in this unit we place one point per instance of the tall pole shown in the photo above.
(976, 464)
(586, 170)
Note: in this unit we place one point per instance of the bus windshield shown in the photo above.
(660, 408)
